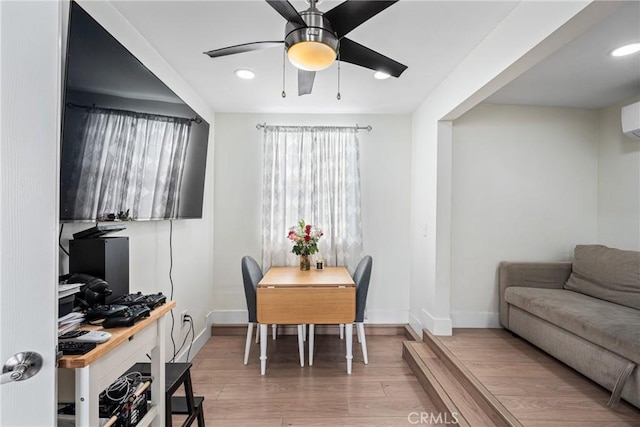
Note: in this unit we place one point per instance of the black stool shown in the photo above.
(177, 374)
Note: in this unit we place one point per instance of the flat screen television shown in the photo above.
(131, 148)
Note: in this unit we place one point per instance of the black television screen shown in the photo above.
(131, 148)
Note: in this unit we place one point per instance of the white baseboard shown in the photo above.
(415, 324)
(435, 325)
(386, 317)
(380, 317)
(474, 319)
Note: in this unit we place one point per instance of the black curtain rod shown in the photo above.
(368, 128)
(135, 113)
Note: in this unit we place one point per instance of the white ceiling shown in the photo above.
(582, 74)
(430, 37)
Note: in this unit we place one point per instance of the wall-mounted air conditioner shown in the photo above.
(631, 120)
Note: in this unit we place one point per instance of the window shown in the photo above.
(312, 173)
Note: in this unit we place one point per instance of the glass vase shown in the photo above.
(305, 262)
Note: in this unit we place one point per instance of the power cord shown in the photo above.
(191, 332)
(120, 390)
(173, 319)
(60, 240)
(193, 336)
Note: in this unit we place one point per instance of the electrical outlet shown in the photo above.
(183, 318)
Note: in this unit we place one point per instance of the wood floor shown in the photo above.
(383, 393)
(536, 388)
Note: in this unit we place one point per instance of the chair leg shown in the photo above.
(341, 331)
(201, 413)
(274, 331)
(363, 342)
(247, 346)
(301, 345)
(358, 334)
(312, 328)
(263, 348)
(257, 334)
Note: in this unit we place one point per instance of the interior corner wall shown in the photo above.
(524, 188)
(528, 34)
(192, 239)
(385, 171)
(618, 182)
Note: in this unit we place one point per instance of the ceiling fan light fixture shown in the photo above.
(381, 75)
(311, 55)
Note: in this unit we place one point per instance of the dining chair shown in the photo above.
(361, 277)
(251, 276)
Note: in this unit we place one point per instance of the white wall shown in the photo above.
(618, 183)
(531, 32)
(385, 180)
(149, 241)
(524, 187)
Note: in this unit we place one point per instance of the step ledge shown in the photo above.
(483, 397)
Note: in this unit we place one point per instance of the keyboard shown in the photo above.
(74, 348)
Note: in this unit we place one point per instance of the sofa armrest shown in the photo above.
(550, 275)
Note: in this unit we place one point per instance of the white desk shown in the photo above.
(97, 369)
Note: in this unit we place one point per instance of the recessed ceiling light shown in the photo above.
(380, 75)
(245, 74)
(627, 49)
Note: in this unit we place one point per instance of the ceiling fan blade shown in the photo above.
(305, 81)
(357, 54)
(348, 15)
(240, 48)
(284, 8)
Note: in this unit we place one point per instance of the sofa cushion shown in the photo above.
(606, 273)
(609, 325)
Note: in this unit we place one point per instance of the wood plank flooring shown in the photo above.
(383, 393)
(536, 388)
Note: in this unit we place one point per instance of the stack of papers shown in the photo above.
(70, 322)
(66, 289)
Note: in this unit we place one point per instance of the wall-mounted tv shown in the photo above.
(131, 148)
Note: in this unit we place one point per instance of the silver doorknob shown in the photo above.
(21, 366)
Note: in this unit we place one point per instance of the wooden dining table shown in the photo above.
(290, 296)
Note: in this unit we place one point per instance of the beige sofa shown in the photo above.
(585, 313)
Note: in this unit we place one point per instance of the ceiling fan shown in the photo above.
(314, 39)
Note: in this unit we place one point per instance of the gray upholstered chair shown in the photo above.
(251, 276)
(361, 277)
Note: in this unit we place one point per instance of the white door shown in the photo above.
(29, 150)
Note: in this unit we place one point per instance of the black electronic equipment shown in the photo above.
(73, 348)
(155, 300)
(99, 230)
(130, 299)
(124, 402)
(104, 311)
(93, 291)
(102, 78)
(106, 258)
(127, 317)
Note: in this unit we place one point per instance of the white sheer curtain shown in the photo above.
(311, 173)
(129, 161)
